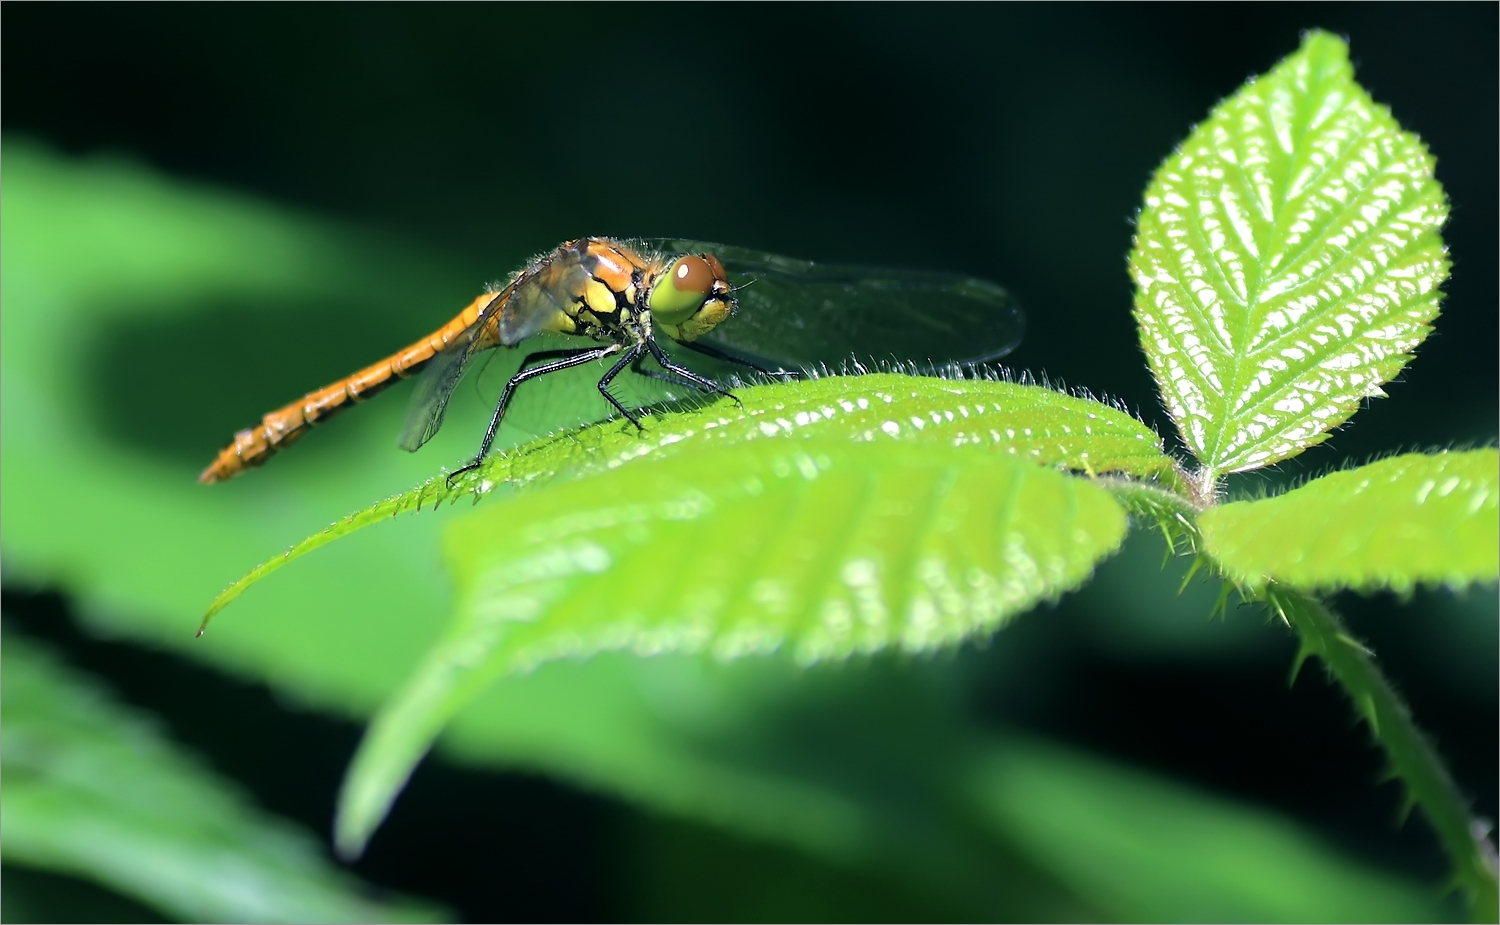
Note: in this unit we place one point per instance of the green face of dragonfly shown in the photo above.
(681, 290)
(691, 296)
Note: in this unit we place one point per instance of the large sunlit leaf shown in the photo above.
(817, 549)
(1287, 261)
(93, 791)
(1026, 421)
(1395, 523)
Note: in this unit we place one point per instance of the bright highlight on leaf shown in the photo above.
(1026, 421)
(815, 549)
(821, 550)
(1392, 524)
(1287, 262)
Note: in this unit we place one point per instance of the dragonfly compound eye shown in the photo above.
(681, 290)
(691, 297)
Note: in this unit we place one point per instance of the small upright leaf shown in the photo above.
(1287, 262)
(1394, 523)
(817, 549)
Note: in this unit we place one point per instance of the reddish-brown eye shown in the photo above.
(715, 266)
(693, 275)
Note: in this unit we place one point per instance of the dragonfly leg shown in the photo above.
(660, 377)
(568, 359)
(631, 356)
(698, 346)
(685, 374)
(638, 367)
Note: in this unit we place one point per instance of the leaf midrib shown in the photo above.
(1297, 131)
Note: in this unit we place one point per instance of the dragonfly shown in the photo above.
(778, 317)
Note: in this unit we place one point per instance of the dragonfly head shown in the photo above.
(691, 296)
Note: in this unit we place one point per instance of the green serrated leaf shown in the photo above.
(816, 549)
(821, 549)
(1287, 262)
(93, 791)
(1392, 524)
(1026, 421)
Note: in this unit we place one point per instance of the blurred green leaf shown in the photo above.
(816, 549)
(1287, 261)
(92, 790)
(1390, 524)
(105, 255)
(1150, 850)
(1028, 421)
(32, 895)
(677, 872)
(870, 767)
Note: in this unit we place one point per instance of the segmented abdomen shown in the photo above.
(282, 427)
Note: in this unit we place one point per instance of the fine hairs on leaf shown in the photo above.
(1287, 264)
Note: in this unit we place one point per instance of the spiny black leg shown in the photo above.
(640, 370)
(569, 359)
(631, 355)
(698, 346)
(702, 382)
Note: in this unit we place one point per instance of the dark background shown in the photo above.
(1009, 142)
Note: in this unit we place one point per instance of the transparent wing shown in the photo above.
(542, 293)
(807, 314)
(536, 299)
(429, 402)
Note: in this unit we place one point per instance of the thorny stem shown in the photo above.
(1413, 759)
(1174, 515)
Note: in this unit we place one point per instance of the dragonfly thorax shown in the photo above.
(616, 291)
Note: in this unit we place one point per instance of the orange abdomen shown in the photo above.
(282, 427)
